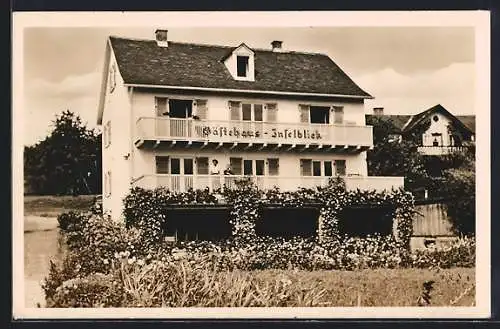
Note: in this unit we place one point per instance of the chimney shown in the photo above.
(161, 38)
(378, 111)
(276, 45)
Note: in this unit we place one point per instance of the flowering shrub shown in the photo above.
(462, 253)
(95, 290)
(147, 209)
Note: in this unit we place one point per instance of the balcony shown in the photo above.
(181, 183)
(441, 150)
(154, 132)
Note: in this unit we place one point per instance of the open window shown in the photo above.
(180, 108)
(360, 221)
(319, 114)
(288, 222)
(162, 164)
(242, 66)
(187, 224)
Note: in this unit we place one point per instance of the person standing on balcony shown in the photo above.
(214, 170)
(228, 170)
(214, 167)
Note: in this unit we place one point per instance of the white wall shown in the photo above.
(289, 163)
(117, 110)
(288, 110)
(440, 126)
(143, 104)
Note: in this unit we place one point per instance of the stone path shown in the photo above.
(40, 245)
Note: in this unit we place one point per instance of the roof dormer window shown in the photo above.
(240, 63)
(242, 66)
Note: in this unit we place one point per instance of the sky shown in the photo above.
(406, 69)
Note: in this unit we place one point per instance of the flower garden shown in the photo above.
(109, 263)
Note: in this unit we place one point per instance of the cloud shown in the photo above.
(44, 100)
(403, 93)
(72, 86)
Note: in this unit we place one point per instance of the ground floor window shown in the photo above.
(361, 221)
(287, 222)
(186, 224)
(175, 166)
(310, 167)
(254, 167)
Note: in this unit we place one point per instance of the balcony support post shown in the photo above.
(262, 147)
(277, 147)
(248, 146)
(157, 143)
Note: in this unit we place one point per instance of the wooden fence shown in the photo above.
(431, 220)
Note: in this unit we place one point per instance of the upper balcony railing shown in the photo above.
(173, 129)
(441, 150)
(182, 183)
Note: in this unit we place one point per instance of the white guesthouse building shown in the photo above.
(281, 118)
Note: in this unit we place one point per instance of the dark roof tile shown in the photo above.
(193, 65)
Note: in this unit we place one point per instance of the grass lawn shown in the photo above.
(382, 287)
(52, 206)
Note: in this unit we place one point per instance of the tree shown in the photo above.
(460, 188)
(68, 161)
(395, 157)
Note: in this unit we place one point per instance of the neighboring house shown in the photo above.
(436, 130)
(280, 118)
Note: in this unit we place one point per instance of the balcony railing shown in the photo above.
(441, 150)
(182, 183)
(158, 128)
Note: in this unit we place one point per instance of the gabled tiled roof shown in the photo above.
(469, 121)
(191, 65)
(398, 120)
(405, 123)
(418, 118)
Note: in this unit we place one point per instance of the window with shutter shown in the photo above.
(272, 111)
(234, 108)
(247, 167)
(112, 79)
(236, 164)
(162, 164)
(202, 165)
(273, 166)
(175, 166)
(316, 168)
(258, 113)
(338, 114)
(305, 167)
(201, 109)
(259, 167)
(107, 134)
(246, 110)
(340, 167)
(161, 106)
(304, 113)
(108, 183)
(328, 168)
